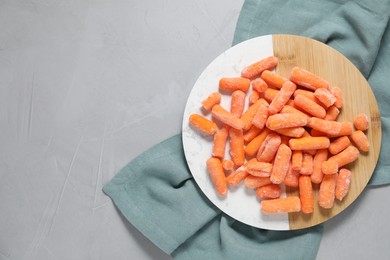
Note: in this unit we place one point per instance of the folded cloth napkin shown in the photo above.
(156, 192)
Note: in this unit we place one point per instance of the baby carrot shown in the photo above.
(253, 146)
(251, 133)
(320, 157)
(307, 164)
(296, 160)
(291, 178)
(269, 148)
(306, 194)
(259, 85)
(259, 169)
(227, 118)
(279, 121)
(332, 113)
(338, 94)
(238, 175)
(282, 97)
(237, 151)
(290, 109)
(213, 99)
(232, 84)
(309, 94)
(346, 128)
(273, 79)
(219, 144)
(214, 167)
(325, 97)
(281, 164)
(307, 79)
(203, 124)
(339, 144)
(360, 140)
(257, 68)
(329, 167)
(349, 155)
(270, 94)
(361, 122)
(260, 117)
(295, 132)
(253, 182)
(309, 143)
(327, 191)
(309, 106)
(250, 113)
(237, 103)
(281, 205)
(270, 191)
(342, 183)
(253, 97)
(331, 128)
(227, 165)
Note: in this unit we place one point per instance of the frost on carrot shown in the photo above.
(361, 122)
(343, 183)
(270, 191)
(237, 103)
(281, 205)
(255, 69)
(253, 182)
(281, 164)
(306, 194)
(237, 150)
(203, 124)
(273, 79)
(307, 79)
(226, 117)
(214, 166)
(213, 99)
(234, 83)
(268, 148)
(360, 140)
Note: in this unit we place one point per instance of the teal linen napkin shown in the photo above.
(156, 192)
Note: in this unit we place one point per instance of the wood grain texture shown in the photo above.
(331, 65)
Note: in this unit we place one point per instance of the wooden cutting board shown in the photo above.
(358, 98)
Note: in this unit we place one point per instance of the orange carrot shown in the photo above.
(291, 178)
(250, 113)
(270, 94)
(219, 144)
(227, 118)
(227, 165)
(295, 132)
(238, 175)
(253, 182)
(285, 139)
(260, 117)
(361, 122)
(281, 164)
(310, 95)
(270, 191)
(360, 140)
(309, 106)
(339, 145)
(332, 113)
(251, 133)
(237, 103)
(307, 79)
(203, 124)
(281, 205)
(296, 160)
(232, 84)
(306, 194)
(325, 97)
(213, 99)
(319, 158)
(327, 191)
(257, 68)
(346, 128)
(347, 156)
(282, 97)
(269, 148)
(337, 92)
(237, 151)
(307, 164)
(310, 151)
(214, 167)
(259, 85)
(290, 109)
(273, 79)
(259, 169)
(253, 97)
(329, 167)
(253, 147)
(331, 128)
(279, 121)
(309, 143)
(342, 183)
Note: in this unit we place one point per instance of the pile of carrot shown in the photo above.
(289, 135)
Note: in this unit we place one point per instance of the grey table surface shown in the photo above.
(86, 86)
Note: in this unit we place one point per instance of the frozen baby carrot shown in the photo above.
(332, 113)
(327, 191)
(310, 151)
(281, 205)
(338, 94)
(306, 194)
(260, 117)
(309, 143)
(250, 113)
(253, 97)
(203, 124)
(269, 148)
(309, 106)
(360, 140)
(309, 94)
(227, 118)
(214, 166)
(307, 164)
(219, 144)
(279, 121)
(290, 109)
(342, 183)
(349, 155)
(325, 97)
(259, 85)
(291, 178)
(213, 99)
(251, 133)
(282, 97)
(238, 175)
(281, 164)
(237, 151)
(339, 144)
(259, 169)
(296, 160)
(237, 103)
(227, 165)
(253, 182)
(232, 84)
(307, 79)
(257, 68)
(346, 128)
(320, 157)
(331, 128)
(361, 122)
(270, 94)
(270, 191)
(273, 79)
(295, 132)
(329, 167)
(253, 146)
